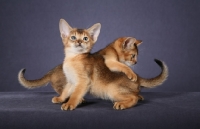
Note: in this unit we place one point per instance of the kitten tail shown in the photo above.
(156, 81)
(30, 84)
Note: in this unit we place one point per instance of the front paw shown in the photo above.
(119, 106)
(132, 76)
(68, 106)
(57, 100)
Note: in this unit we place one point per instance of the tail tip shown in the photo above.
(23, 70)
(158, 62)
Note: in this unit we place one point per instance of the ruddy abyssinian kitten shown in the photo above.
(88, 72)
(122, 52)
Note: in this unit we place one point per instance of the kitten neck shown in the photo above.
(71, 54)
(116, 47)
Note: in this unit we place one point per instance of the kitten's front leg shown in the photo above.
(64, 95)
(56, 99)
(117, 66)
(77, 96)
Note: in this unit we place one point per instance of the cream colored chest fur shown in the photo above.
(70, 72)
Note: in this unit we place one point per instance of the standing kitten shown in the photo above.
(88, 72)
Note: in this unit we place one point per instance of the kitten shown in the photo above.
(121, 53)
(88, 72)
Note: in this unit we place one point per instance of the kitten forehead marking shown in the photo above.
(80, 31)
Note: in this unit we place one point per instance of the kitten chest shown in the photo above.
(70, 72)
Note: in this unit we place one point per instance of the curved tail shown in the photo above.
(153, 82)
(32, 83)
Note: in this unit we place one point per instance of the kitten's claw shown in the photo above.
(57, 100)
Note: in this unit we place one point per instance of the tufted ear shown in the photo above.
(130, 43)
(138, 42)
(65, 28)
(94, 31)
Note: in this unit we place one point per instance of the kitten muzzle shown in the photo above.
(79, 44)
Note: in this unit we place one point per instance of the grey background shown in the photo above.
(170, 30)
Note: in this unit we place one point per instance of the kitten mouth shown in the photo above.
(79, 46)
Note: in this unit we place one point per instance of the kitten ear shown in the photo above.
(138, 42)
(65, 28)
(94, 31)
(129, 43)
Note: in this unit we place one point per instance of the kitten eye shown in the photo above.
(73, 37)
(85, 38)
(133, 55)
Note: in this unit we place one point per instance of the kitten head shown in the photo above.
(78, 40)
(129, 50)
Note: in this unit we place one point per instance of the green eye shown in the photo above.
(73, 37)
(85, 38)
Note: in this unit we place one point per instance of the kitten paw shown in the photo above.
(132, 76)
(119, 106)
(57, 100)
(68, 106)
(140, 98)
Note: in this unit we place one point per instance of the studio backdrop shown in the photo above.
(170, 30)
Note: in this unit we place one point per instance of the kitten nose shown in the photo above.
(136, 62)
(79, 41)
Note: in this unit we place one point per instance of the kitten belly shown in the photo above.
(103, 91)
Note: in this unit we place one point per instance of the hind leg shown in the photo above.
(59, 90)
(125, 101)
(58, 87)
